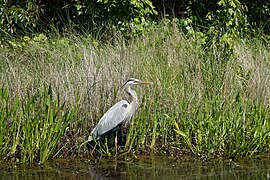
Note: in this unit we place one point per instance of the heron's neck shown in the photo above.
(134, 97)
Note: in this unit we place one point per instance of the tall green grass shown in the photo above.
(31, 126)
(205, 101)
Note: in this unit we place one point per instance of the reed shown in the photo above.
(204, 100)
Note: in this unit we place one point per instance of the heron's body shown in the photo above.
(118, 115)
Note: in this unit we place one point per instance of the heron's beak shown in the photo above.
(145, 82)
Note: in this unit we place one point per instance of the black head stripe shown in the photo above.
(129, 80)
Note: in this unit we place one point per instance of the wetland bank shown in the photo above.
(210, 101)
(204, 101)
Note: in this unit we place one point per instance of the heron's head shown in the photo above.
(134, 81)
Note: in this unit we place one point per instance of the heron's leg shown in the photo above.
(115, 141)
(94, 148)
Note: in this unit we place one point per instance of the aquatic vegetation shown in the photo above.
(31, 126)
(205, 100)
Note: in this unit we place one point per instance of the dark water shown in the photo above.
(146, 167)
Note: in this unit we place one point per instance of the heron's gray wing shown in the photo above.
(116, 115)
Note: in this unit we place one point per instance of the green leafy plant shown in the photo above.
(31, 127)
(229, 21)
(126, 15)
(17, 16)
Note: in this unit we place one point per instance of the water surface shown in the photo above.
(144, 167)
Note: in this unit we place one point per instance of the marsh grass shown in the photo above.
(204, 100)
(32, 126)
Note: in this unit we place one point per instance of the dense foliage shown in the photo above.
(219, 15)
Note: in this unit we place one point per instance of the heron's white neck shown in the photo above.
(134, 103)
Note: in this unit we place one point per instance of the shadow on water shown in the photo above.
(144, 167)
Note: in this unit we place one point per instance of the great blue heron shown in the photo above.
(118, 115)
